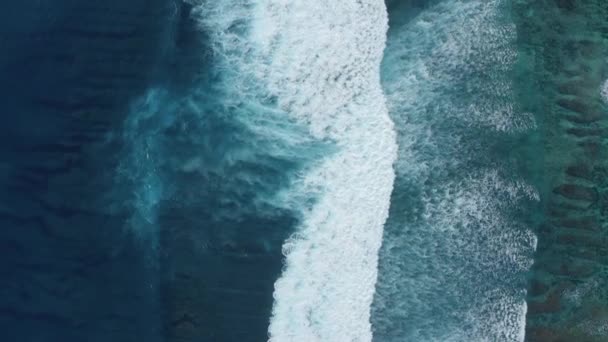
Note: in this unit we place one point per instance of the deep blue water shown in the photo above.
(70, 273)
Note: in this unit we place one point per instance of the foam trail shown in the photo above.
(604, 91)
(317, 63)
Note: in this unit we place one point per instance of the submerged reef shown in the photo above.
(562, 68)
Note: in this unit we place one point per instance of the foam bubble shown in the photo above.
(487, 247)
(578, 293)
(455, 274)
(510, 325)
(604, 91)
(318, 62)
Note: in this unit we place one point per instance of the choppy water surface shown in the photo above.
(457, 243)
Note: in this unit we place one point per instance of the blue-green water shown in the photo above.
(563, 69)
(253, 170)
(458, 242)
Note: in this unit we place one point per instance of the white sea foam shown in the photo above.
(318, 62)
(487, 242)
(464, 249)
(577, 294)
(453, 259)
(604, 91)
(460, 47)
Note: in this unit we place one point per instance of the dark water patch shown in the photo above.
(70, 270)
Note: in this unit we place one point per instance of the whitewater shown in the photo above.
(456, 250)
(317, 63)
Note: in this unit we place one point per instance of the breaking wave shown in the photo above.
(316, 65)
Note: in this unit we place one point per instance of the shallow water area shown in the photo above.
(563, 47)
(70, 272)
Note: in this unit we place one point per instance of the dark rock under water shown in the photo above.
(66, 72)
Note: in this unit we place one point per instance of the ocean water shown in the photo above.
(566, 51)
(458, 241)
(290, 170)
(69, 269)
